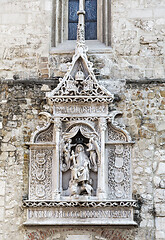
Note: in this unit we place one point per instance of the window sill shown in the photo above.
(94, 46)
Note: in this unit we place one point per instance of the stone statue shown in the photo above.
(74, 167)
(66, 152)
(93, 148)
(80, 180)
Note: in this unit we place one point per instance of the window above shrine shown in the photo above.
(90, 19)
(97, 24)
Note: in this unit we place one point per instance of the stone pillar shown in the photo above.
(101, 192)
(56, 160)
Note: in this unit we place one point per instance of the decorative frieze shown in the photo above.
(93, 204)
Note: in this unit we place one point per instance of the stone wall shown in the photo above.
(143, 107)
(138, 40)
(133, 68)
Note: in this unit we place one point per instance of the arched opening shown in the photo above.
(78, 137)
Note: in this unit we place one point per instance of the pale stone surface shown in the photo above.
(8, 147)
(78, 237)
(2, 188)
(45, 88)
(2, 201)
(2, 214)
(161, 168)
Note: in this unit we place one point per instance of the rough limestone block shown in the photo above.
(140, 13)
(160, 224)
(161, 168)
(7, 147)
(2, 188)
(2, 201)
(1, 214)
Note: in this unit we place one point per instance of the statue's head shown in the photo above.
(79, 148)
(69, 140)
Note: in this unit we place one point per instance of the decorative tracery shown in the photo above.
(82, 157)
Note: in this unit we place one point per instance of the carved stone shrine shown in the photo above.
(80, 162)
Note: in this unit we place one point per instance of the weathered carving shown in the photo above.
(93, 149)
(81, 158)
(93, 204)
(40, 174)
(79, 182)
(81, 155)
(114, 135)
(119, 176)
(79, 214)
(45, 135)
(75, 88)
(84, 109)
(102, 124)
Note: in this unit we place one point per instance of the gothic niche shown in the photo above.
(80, 160)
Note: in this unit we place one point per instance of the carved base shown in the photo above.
(80, 216)
(80, 212)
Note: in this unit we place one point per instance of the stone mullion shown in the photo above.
(100, 20)
(62, 20)
(56, 21)
(106, 22)
(109, 22)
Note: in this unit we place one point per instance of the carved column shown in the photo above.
(56, 160)
(102, 168)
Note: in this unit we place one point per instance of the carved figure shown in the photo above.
(93, 148)
(87, 187)
(80, 181)
(73, 158)
(82, 157)
(88, 84)
(66, 152)
(74, 168)
(70, 86)
(73, 186)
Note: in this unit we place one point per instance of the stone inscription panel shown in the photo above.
(78, 216)
(85, 109)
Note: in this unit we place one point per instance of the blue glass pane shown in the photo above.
(72, 31)
(90, 19)
(90, 10)
(90, 30)
(72, 12)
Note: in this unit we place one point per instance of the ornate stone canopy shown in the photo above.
(80, 166)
